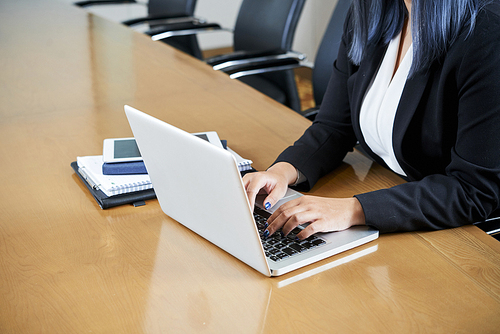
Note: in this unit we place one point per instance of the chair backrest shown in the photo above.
(171, 7)
(264, 25)
(328, 50)
(177, 8)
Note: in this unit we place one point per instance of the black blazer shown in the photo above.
(446, 134)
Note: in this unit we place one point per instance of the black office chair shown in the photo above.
(491, 226)
(264, 30)
(162, 13)
(325, 57)
(328, 50)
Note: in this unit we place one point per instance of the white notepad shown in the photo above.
(90, 167)
(243, 164)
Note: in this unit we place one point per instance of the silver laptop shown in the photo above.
(199, 185)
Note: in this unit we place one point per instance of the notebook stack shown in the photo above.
(110, 186)
(114, 183)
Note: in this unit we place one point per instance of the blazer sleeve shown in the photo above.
(469, 188)
(325, 143)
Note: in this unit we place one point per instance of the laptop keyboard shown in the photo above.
(279, 247)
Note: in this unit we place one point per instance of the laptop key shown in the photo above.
(311, 238)
(318, 242)
(297, 247)
(307, 245)
(274, 251)
(289, 251)
(282, 256)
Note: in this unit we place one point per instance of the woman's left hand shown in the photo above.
(323, 214)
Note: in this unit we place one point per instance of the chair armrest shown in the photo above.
(240, 55)
(242, 61)
(102, 2)
(162, 19)
(490, 226)
(263, 67)
(259, 66)
(182, 29)
(310, 113)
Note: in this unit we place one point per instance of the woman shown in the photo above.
(417, 83)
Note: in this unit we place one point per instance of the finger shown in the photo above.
(320, 225)
(284, 208)
(275, 193)
(252, 195)
(253, 185)
(274, 196)
(299, 218)
(286, 219)
(312, 228)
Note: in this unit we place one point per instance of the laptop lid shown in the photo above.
(199, 185)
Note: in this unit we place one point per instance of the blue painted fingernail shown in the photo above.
(266, 233)
(266, 224)
(267, 205)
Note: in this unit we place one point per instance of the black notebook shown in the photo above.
(106, 202)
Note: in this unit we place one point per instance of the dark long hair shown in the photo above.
(435, 26)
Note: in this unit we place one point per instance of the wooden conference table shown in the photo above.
(66, 266)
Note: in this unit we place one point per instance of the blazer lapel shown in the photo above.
(410, 99)
(361, 80)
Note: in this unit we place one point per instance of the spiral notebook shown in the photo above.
(243, 164)
(90, 167)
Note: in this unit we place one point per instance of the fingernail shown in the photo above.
(266, 233)
(266, 224)
(267, 205)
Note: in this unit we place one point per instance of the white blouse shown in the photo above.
(381, 102)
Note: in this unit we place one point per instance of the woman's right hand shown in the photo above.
(274, 182)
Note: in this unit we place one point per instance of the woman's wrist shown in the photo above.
(358, 215)
(287, 170)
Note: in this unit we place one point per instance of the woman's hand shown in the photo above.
(274, 182)
(323, 214)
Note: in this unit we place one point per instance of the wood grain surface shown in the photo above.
(66, 266)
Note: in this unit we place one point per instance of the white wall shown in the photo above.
(308, 35)
(223, 12)
(312, 25)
